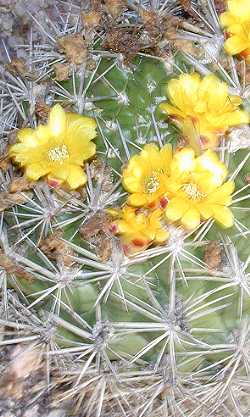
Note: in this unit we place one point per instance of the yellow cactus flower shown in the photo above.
(57, 150)
(205, 103)
(145, 176)
(139, 228)
(197, 189)
(236, 21)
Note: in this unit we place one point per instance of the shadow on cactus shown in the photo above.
(124, 214)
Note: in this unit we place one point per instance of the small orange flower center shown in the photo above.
(192, 191)
(58, 154)
(152, 184)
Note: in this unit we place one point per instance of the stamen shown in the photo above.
(192, 191)
(152, 184)
(58, 154)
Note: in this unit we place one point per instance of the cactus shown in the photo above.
(160, 329)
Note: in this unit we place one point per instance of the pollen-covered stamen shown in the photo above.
(58, 154)
(152, 184)
(192, 191)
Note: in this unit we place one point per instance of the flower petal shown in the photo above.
(81, 150)
(183, 160)
(27, 137)
(183, 91)
(234, 45)
(166, 155)
(227, 19)
(210, 162)
(171, 110)
(60, 172)
(57, 120)
(206, 210)
(240, 9)
(137, 200)
(176, 208)
(161, 236)
(223, 215)
(80, 127)
(35, 171)
(238, 117)
(19, 153)
(76, 177)
(214, 92)
(222, 195)
(191, 219)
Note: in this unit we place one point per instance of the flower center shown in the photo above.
(192, 191)
(58, 154)
(152, 184)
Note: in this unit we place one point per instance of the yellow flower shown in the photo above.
(57, 150)
(145, 176)
(206, 104)
(237, 23)
(139, 229)
(198, 191)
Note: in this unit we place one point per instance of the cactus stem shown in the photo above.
(246, 197)
(241, 189)
(107, 143)
(204, 230)
(104, 72)
(244, 231)
(123, 141)
(158, 135)
(93, 74)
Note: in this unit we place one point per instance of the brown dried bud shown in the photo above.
(152, 24)
(23, 365)
(148, 16)
(8, 200)
(74, 48)
(103, 245)
(213, 255)
(102, 174)
(185, 46)
(172, 24)
(19, 66)
(62, 71)
(20, 184)
(186, 5)
(115, 7)
(247, 178)
(246, 74)
(4, 162)
(100, 221)
(92, 19)
(122, 41)
(12, 267)
(55, 248)
(12, 137)
(220, 5)
(42, 110)
(96, 231)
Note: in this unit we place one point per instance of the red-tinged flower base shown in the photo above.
(139, 243)
(53, 183)
(164, 202)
